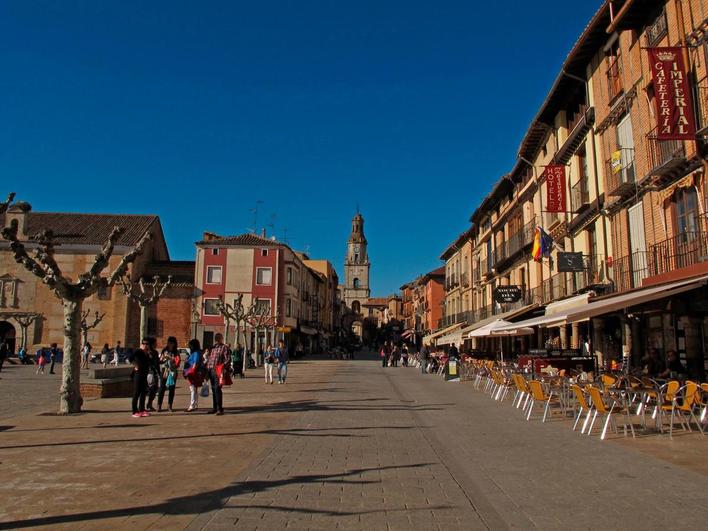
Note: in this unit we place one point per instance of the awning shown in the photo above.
(430, 337)
(543, 320)
(307, 330)
(407, 333)
(498, 328)
(506, 315)
(633, 298)
(450, 339)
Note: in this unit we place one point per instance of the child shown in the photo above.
(41, 361)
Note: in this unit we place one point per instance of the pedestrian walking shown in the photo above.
(385, 354)
(105, 352)
(154, 376)
(118, 353)
(395, 356)
(424, 355)
(140, 361)
(237, 360)
(218, 355)
(53, 355)
(169, 364)
(116, 358)
(268, 362)
(404, 355)
(194, 371)
(282, 356)
(41, 361)
(85, 353)
(4, 352)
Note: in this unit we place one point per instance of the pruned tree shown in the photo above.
(145, 294)
(4, 205)
(25, 320)
(237, 313)
(87, 325)
(72, 293)
(261, 318)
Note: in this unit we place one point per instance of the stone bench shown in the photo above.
(111, 382)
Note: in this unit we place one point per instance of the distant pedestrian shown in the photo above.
(194, 370)
(395, 356)
(4, 352)
(237, 360)
(385, 354)
(424, 355)
(140, 361)
(154, 376)
(116, 358)
(23, 357)
(283, 358)
(268, 362)
(53, 355)
(118, 353)
(105, 352)
(453, 352)
(85, 353)
(41, 360)
(169, 364)
(404, 355)
(218, 355)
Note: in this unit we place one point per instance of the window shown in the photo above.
(264, 276)
(355, 282)
(210, 307)
(290, 276)
(263, 306)
(356, 307)
(686, 204)
(104, 293)
(288, 308)
(215, 252)
(213, 275)
(264, 252)
(614, 71)
(356, 257)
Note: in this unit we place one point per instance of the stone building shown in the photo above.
(78, 238)
(356, 290)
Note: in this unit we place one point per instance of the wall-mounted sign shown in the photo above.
(507, 294)
(672, 94)
(555, 188)
(570, 262)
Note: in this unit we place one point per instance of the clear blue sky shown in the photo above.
(195, 110)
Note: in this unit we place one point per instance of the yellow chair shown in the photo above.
(522, 391)
(600, 407)
(608, 380)
(665, 397)
(684, 410)
(582, 405)
(539, 395)
(703, 400)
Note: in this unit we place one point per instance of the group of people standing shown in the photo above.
(206, 370)
(391, 354)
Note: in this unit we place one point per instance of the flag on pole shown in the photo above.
(542, 244)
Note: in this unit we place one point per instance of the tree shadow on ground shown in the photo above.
(293, 432)
(216, 499)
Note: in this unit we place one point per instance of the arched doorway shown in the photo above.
(357, 329)
(7, 333)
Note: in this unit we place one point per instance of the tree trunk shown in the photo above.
(23, 341)
(70, 392)
(143, 322)
(226, 331)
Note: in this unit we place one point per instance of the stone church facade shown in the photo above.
(356, 291)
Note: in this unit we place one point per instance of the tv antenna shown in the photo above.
(271, 225)
(254, 211)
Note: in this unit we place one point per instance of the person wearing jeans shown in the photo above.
(193, 373)
(140, 363)
(268, 360)
(281, 354)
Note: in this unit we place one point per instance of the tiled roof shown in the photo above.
(249, 240)
(376, 301)
(87, 229)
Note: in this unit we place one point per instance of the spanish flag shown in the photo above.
(541, 244)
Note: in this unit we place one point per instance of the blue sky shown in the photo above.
(196, 110)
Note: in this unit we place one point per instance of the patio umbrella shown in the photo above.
(492, 330)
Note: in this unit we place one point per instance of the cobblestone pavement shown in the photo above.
(343, 445)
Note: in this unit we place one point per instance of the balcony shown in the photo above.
(619, 172)
(681, 251)
(516, 243)
(579, 197)
(614, 78)
(554, 288)
(465, 280)
(666, 157)
(485, 266)
(657, 30)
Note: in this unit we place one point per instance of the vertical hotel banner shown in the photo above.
(672, 94)
(555, 188)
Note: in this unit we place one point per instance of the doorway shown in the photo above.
(7, 333)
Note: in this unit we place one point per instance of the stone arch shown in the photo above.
(356, 307)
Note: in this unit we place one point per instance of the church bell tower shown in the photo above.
(356, 267)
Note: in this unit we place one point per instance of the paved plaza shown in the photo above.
(343, 445)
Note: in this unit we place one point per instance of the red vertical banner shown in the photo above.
(555, 188)
(672, 94)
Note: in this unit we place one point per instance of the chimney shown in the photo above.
(263, 233)
(18, 213)
(209, 236)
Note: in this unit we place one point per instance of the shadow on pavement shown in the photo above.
(215, 499)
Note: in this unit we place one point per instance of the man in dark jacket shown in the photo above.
(141, 364)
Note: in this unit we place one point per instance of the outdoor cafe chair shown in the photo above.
(702, 400)
(664, 400)
(582, 405)
(608, 380)
(539, 395)
(523, 393)
(616, 408)
(684, 410)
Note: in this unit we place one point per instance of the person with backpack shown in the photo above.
(169, 364)
(283, 358)
(268, 362)
(218, 361)
(194, 371)
(140, 361)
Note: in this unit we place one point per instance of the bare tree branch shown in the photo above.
(141, 295)
(45, 253)
(26, 320)
(6, 204)
(122, 267)
(86, 325)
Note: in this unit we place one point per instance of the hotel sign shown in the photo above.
(672, 95)
(555, 188)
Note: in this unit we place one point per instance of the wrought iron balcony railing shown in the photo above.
(619, 172)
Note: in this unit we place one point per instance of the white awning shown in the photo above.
(633, 298)
(449, 339)
(511, 313)
(307, 330)
(499, 328)
(430, 337)
(543, 320)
